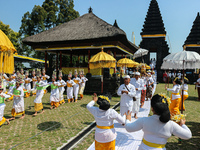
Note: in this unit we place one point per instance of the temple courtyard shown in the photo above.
(55, 127)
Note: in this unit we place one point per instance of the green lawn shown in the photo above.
(192, 121)
(68, 120)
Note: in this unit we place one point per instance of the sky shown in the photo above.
(178, 15)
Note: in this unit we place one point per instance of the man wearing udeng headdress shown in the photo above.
(3, 96)
(127, 92)
(18, 100)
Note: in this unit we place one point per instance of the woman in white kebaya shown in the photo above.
(158, 127)
(54, 97)
(105, 133)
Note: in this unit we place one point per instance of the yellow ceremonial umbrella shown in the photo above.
(144, 66)
(6, 54)
(102, 60)
(125, 62)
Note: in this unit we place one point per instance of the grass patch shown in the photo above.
(68, 120)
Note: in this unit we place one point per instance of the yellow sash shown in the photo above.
(105, 127)
(153, 144)
(34, 80)
(44, 78)
(69, 85)
(175, 93)
(76, 81)
(27, 81)
(185, 90)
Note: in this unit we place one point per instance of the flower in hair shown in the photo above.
(163, 101)
(104, 97)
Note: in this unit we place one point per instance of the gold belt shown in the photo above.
(105, 127)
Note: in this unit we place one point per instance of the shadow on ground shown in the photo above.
(49, 126)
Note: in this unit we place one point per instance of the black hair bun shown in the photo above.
(103, 103)
(178, 81)
(161, 108)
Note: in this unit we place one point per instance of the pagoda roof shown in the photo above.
(153, 22)
(85, 29)
(194, 36)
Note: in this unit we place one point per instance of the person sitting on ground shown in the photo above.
(158, 127)
(105, 133)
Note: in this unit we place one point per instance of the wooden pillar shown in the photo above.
(115, 58)
(84, 59)
(88, 60)
(56, 62)
(71, 58)
(60, 59)
(78, 59)
(45, 61)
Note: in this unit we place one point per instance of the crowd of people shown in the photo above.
(20, 87)
(157, 128)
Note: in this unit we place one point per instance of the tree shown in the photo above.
(49, 15)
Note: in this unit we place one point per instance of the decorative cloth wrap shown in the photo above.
(16, 92)
(2, 100)
(53, 86)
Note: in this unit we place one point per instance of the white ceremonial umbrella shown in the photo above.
(181, 60)
(140, 52)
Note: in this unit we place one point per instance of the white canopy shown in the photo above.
(140, 52)
(181, 60)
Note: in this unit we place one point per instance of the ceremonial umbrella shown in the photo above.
(181, 60)
(144, 66)
(102, 60)
(125, 62)
(140, 52)
(6, 54)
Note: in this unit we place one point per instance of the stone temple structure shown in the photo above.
(192, 42)
(154, 37)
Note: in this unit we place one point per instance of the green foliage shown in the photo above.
(49, 15)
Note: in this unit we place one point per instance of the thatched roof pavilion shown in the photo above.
(84, 35)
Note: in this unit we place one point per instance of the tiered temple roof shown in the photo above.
(153, 25)
(194, 36)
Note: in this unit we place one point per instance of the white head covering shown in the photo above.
(137, 74)
(126, 77)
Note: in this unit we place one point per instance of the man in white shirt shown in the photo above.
(127, 92)
(138, 83)
(179, 74)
